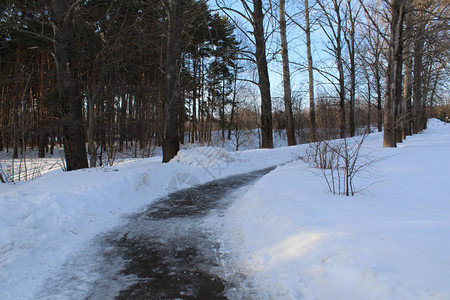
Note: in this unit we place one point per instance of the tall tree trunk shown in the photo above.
(340, 66)
(418, 80)
(263, 74)
(394, 73)
(341, 95)
(407, 94)
(181, 118)
(379, 100)
(369, 104)
(16, 105)
(222, 108)
(312, 106)
(194, 102)
(407, 78)
(286, 77)
(69, 96)
(171, 143)
(350, 38)
(433, 94)
(43, 134)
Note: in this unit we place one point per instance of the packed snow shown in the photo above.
(288, 235)
(45, 221)
(298, 241)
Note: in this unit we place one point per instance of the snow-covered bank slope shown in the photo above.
(43, 222)
(297, 241)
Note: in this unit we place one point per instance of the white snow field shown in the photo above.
(45, 221)
(298, 241)
(292, 238)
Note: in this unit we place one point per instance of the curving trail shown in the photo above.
(165, 252)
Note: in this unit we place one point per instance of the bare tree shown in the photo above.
(286, 77)
(393, 97)
(307, 28)
(430, 48)
(255, 17)
(333, 27)
(375, 37)
(312, 106)
(407, 79)
(351, 16)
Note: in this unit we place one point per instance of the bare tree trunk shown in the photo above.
(43, 133)
(312, 106)
(379, 101)
(433, 93)
(181, 119)
(341, 95)
(171, 144)
(222, 110)
(286, 77)
(394, 73)
(369, 104)
(407, 95)
(69, 96)
(350, 38)
(407, 79)
(335, 24)
(194, 102)
(418, 80)
(263, 74)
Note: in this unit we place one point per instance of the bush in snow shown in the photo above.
(339, 162)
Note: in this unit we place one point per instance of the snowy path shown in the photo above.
(171, 250)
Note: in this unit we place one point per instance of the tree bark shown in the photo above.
(171, 144)
(407, 95)
(286, 77)
(350, 38)
(418, 80)
(69, 96)
(394, 73)
(263, 74)
(312, 106)
(379, 100)
(340, 66)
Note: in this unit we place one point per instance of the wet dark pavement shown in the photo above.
(163, 252)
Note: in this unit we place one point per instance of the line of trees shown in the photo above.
(102, 76)
(116, 70)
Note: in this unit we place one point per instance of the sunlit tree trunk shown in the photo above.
(394, 73)
(350, 39)
(312, 106)
(263, 74)
(286, 77)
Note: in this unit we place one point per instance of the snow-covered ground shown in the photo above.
(298, 241)
(290, 236)
(45, 221)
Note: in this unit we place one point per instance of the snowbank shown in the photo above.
(297, 241)
(43, 222)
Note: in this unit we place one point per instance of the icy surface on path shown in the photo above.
(172, 250)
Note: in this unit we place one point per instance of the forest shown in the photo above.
(97, 77)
